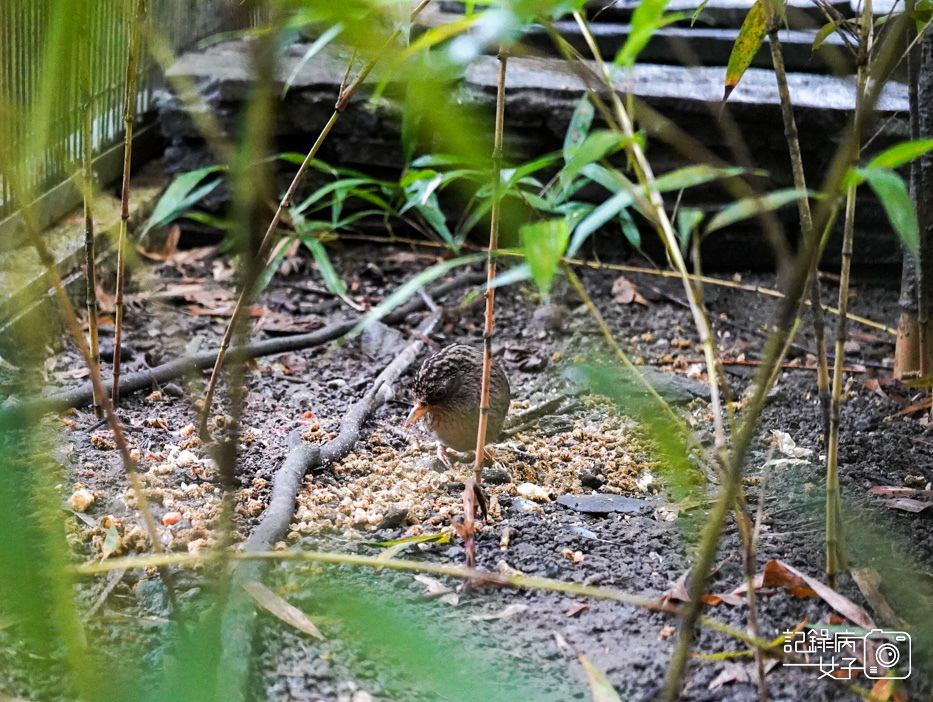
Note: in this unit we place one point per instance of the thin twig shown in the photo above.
(88, 192)
(129, 116)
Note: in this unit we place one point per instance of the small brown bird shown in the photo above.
(447, 393)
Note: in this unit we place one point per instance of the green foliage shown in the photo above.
(181, 196)
(544, 244)
(747, 44)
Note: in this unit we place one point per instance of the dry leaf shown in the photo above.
(74, 373)
(169, 246)
(280, 608)
(624, 292)
(731, 672)
(908, 504)
(435, 588)
(576, 609)
(507, 612)
(869, 582)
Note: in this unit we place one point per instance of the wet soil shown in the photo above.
(387, 640)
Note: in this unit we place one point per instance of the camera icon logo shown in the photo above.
(892, 651)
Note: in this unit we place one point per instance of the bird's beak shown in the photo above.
(417, 412)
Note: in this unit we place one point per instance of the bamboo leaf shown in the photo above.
(515, 274)
(697, 12)
(688, 220)
(580, 124)
(331, 279)
(751, 206)
(312, 51)
(597, 218)
(646, 20)
(600, 687)
(544, 244)
(824, 33)
(892, 191)
(410, 287)
(279, 607)
(901, 154)
(181, 195)
(593, 148)
(750, 38)
(690, 176)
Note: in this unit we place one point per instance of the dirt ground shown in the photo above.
(384, 637)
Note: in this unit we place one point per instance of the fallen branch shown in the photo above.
(141, 380)
(238, 623)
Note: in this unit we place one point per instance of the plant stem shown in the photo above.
(835, 547)
(129, 116)
(88, 191)
(806, 217)
(474, 485)
(246, 291)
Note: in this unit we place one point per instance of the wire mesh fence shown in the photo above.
(25, 51)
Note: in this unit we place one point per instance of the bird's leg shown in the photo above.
(443, 454)
(481, 498)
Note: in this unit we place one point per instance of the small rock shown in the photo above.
(81, 500)
(336, 383)
(601, 503)
(393, 518)
(172, 390)
(852, 347)
(379, 340)
(170, 518)
(533, 492)
(185, 458)
(497, 476)
(915, 481)
(552, 571)
(591, 479)
(432, 463)
(151, 595)
(525, 505)
(551, 317)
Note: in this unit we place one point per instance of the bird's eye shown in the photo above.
(440, 392)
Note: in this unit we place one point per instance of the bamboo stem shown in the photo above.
(835, 545)
(87, 168)
(474, 484)
(246, 291)
(806, 217)
(129, 116)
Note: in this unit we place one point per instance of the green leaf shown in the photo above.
(646, 20)
(892, 191)
(515, 274)
(597, 218)
(750, 38)
(337, 185)
(579, 127)
(272, 267)
(593, 148)
(902, 153)
(312, 51)
(690, 176)
(544, 244)
(600, 687)
(630, 229)
(825, 32)
(431, 211)
(688, 220)
(324, 265)
(397, 546)
(696, 12)
(751, 206)
(410, 287)
(180, 196)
